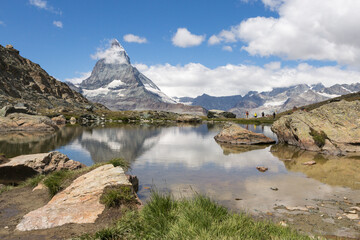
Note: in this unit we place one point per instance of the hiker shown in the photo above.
(255, 115)
(263, 114)
(247, 114)
(274, 115)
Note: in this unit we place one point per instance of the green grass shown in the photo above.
(34, 181)
(318, 137)
(116, 162)
(117, 196)
(6, 188)
(196, 218)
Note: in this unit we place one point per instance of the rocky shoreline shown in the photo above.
(81, 203)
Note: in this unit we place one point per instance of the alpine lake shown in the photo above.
(185, 159)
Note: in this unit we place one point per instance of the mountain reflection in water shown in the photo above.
(186, 158)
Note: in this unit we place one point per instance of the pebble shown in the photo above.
(6, 227)
(339, 218)
(274, 188)
(296, 208)
(352, 216)
(283, 223)
(309, 163)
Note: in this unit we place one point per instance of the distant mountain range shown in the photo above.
(22, 81)
(118, 85)
(277, 100)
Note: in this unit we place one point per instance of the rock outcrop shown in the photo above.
(19, 168)
(234, 134)
(332, 128)
(26, 123)
(24, 81)
(220, 114)
(78, 203)
(188, 119)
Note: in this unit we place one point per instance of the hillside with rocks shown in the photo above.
(22, 81)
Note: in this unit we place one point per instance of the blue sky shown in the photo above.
(191, 47)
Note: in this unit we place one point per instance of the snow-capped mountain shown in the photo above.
(279, 99)
(118, 85)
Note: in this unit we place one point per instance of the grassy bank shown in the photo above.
(256, 121)
(196, 218)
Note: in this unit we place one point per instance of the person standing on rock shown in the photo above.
(255, 115)
(274, 115)
(263, 114)
(247, 114)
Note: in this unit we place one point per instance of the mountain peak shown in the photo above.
(116, 44)
(115, 54)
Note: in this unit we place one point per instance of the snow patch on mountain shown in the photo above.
(116, 83)
(158, 92)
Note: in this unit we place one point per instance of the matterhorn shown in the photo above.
(118, 85)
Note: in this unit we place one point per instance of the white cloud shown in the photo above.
(77, 80)
(227, 48)
(2, 23)
(273, 65)
(133, 38)
(183, 38)
(194, 79)
(42, 4)
(273, 4)
(325, 30)
(39, 3)
(58, 24)
(113, 53)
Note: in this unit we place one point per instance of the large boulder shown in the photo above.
(21, 167)
(234, 134)
(78, 203)
(220, 114)
(188, 119)
(59, 120)
(27, 123)
(333, 128)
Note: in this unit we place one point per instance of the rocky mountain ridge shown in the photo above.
(21, 80)
(276, 100)
(118, 85)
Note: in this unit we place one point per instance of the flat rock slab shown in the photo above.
(234, 134)
(78, 203)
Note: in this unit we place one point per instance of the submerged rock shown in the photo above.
(333, 128)
(234, 134)
(78, 203)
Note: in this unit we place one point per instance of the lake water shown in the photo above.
(185, 159)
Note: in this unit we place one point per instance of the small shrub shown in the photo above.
(319, 137)
(116, 196)
(116, 162)
(34, 181)
(55, 180)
